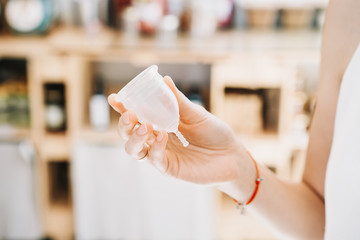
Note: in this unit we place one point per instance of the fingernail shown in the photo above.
(126, 119)
(159, 137)
(142, 129)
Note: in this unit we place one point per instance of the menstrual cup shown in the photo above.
(151, 100)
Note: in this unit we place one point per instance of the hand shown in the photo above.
(212, 156)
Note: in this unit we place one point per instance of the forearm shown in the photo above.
(293, 210)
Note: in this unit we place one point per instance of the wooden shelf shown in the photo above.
(109, 44)
(109, 136)
(54, 147)
(280, 4)
(9, 133)
(77, 41)
(19, 46)
(59, 222)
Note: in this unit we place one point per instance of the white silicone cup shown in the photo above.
(152, 100)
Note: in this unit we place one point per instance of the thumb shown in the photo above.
(189, 111)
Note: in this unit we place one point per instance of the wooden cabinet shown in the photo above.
(225, 73)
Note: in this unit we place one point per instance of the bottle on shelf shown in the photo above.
(131, 25)
(99, 107)
(168, 31)
(203, 19)
(151, 13)
(55, 116)
(225, 13)
(195, 95)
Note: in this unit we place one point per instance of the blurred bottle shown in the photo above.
(175, 7)
(70, 13)
(99, 107)
(89, 10)
(225, 13)
(151, 13)
(116, 11)
(195, 95)
(168, 31)
(170, 23)
(240, 16)
(203, 18)
(55, 107)
(185, 18)
(131, 25)
(318, 18)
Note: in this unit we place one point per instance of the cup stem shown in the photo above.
(182, 138)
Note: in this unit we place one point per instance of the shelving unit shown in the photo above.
(236, 59)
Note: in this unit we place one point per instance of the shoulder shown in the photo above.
(341, 35)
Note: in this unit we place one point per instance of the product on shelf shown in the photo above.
(168, 30)
(262, 18)
(55, 114)
(195, 95)
(99, 107)
(297, 18)
(14, 101)
(225, 12)
(243, 112)
(116, 10)
(89, 10)
(240, 19)
(30, 16)
(131, 24)
(203, 19)
(151, 13)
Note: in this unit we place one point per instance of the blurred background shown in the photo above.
(64, 173)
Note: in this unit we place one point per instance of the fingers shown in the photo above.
(142, 141)
(126, 125)
(117, 106)
(157, 152)
(136, 145)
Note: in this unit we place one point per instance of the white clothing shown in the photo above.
(342, 185)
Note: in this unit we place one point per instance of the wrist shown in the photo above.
(241, 188)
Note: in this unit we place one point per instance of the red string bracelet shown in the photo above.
(257, 184)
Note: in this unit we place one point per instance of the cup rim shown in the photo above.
(133, 84)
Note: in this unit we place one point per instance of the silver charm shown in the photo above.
(260, 179)
(241, 207)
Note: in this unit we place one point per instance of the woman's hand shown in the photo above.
(212, 156)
